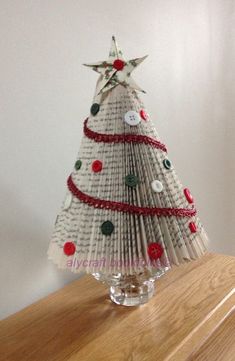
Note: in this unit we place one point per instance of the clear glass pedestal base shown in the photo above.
(132, 294)
(131, 290)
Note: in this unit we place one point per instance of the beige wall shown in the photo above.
(45, 94)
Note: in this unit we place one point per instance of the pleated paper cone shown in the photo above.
(126, 249)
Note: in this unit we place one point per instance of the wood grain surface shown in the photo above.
(191, 317)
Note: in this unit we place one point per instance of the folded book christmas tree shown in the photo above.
(125, 213)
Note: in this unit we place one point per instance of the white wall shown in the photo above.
(45, 94)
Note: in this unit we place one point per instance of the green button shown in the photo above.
(95, 108)
(107, 228)
(131, 180)
(78, 164)
(167, 164)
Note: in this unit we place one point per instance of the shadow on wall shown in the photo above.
(26, 273)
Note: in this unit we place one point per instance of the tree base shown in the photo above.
(131, 294)
(130, 290)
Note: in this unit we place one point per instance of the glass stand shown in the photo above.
(130, 290)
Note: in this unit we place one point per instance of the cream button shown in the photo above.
(157, 186)
(132, 118)
(68, 201)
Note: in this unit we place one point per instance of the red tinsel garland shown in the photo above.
(125, 207)
(122, 138)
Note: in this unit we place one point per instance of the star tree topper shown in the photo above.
(115, 70)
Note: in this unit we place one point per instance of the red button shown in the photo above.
(69, 248)
(155, 250)
(97, 166)
(188, 195)
(118, 64)
(143, 114)
(192, 227)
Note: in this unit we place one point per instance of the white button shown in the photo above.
(132, 118)
(68, 201)
(157, 186)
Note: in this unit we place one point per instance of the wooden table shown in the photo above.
(191, 317)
